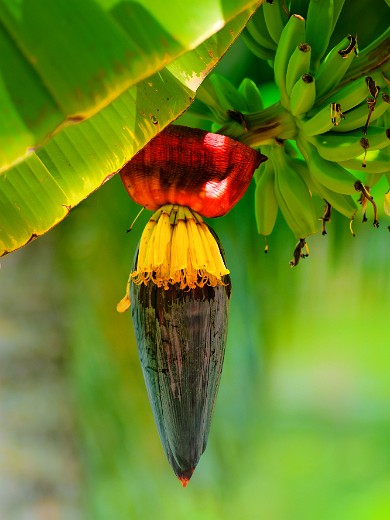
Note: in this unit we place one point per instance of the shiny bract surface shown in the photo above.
(207, 172)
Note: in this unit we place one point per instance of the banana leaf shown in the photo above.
(85, 85)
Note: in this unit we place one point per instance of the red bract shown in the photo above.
(207, 172)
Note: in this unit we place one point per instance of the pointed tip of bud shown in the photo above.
(185, 477)
(184, 481)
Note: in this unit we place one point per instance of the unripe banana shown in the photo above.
(207, 96)
(228, 96)
(293, 197)
(293, 34)
(358, 117)
(376, 161)
(248, 89)
(330, 174)
(303, 95)
(300, 166)
(274, 18)
(348, 97)
(333, 68)
(298, 65)
(371, 179)
(344, 204)
(258, 50)
(258, 29)
(342, 147)
(318, 124)
(266, 205)
(319, 27)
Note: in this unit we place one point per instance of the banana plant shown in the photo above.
(76, 113)
(85, 85)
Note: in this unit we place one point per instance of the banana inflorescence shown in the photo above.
(329, 135)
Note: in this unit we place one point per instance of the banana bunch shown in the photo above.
(329, 134)
(280, 185)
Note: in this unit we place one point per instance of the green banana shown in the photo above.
(371, 179)
(318, 124)
(333, 68)
(344, 204)
(342, 147)
(298, 65)
(228, 96)
(359, 116)
(347, 97)
(206, 95)
(300, 166)
(293, 196)
(266, 205)
(275, 18)
(258, 50)
(303, 95)
(248, 89)
(258, 29)
(319, 25)
(330, 174)
(293, 34)
(376, 161)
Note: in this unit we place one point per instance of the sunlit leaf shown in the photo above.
(39, 192)
(63, 61)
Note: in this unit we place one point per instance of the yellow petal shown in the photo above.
(215, 252)
(196, 248)
(179, 246)
(163, 237)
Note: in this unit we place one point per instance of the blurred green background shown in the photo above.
(302, 423)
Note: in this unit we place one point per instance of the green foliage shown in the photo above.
(125, 70)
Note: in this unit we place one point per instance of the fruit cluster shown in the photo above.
(328, 136)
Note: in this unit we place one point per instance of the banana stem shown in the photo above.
(267, 125)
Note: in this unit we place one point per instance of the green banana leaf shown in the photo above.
(85, 85)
